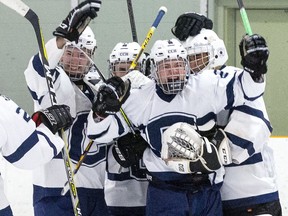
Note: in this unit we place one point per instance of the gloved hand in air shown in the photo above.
(77, 20)
(190, 24)
(254, 55)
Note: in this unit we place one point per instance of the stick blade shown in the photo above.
(16, 5)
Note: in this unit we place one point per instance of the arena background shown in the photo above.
(268, 18)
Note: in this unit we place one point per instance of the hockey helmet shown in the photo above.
(122, 56)
(205, 51)
(169, 67)
(77, 58)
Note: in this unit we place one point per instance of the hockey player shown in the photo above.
(250, 182)
(23, 144)
(69, 56)
(189, 183)
(126, 183)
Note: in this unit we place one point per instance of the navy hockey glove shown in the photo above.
(111, 96)
(254, 55)
(55, 117)
(190, 24)
(129, 149)
(77, 20)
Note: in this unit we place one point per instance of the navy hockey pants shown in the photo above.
(163, 201)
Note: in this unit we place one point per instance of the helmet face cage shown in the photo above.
(199, 59)
(121, 68)
(76, 62)
(205, 51)
(171, 74)
(169, 66)
(122, 56)
(77, 58)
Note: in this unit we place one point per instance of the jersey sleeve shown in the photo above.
(37, 84)
(106, 130)
(251, 89)
(228, 87)
(248, 130)
(24, 145)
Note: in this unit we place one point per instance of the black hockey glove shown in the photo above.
(55, 117)
(111, 96)
(215, 154)
(190, 24)
(254, 55)
(77, 20)
(129, 149)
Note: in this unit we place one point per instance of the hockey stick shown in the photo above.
(31, 16)
(132, 21)
(244, 17)
(161, 13)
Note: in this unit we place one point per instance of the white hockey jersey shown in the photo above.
(126, 187)
(50, 179)
(22, 144)
(4, 204)
(152, 112)
(251, 178)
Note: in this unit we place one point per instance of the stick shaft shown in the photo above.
(78, 165)
(149, 35)
(132, 21)
(244, 17)
(21, 8)
(155, 24)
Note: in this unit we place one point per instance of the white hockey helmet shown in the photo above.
(122, 56)
(169, 67)
(86, 40)
(205, 51)
(77, 58)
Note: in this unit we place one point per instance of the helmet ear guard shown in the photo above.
(220, 55)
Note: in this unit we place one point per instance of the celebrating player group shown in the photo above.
(173, 131)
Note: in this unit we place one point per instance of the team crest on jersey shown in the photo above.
(156, 126)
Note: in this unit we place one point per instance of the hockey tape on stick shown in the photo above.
(161, 13)
(21, 8)
(244, 17)
(132, 21)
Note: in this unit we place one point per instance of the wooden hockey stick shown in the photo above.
(132, 21)
(161, 13)
(244, 17)
(21, 8)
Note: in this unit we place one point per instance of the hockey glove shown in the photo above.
(55, 117)
(254, 55)
(190, 24)
(111, 96)
(129, 149)
(209, 159)
(77, 20)
(186, 151)
(214, 154)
